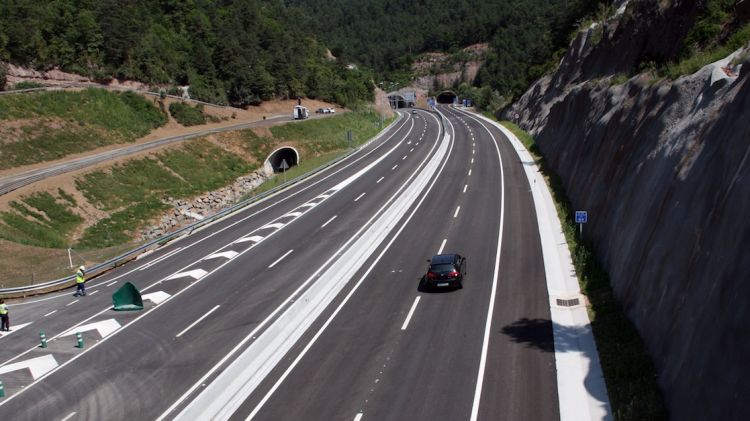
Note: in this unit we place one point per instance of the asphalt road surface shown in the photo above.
(307, 304)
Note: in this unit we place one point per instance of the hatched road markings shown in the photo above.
(104, 327)
(156, 297)
(274, 225)
(38, 366)
(229, 254)
(16, 328)
(254, 239)
(195, 274)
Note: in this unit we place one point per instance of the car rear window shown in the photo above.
(442, 268)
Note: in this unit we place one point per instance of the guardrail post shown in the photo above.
(79, 340)
(42, 340)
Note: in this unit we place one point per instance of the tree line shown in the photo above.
(240, 52)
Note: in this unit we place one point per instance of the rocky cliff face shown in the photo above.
(663, 167)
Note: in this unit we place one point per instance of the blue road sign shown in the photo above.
(582, 217)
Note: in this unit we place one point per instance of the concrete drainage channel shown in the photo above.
(231, 388)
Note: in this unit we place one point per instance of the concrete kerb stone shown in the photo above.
(582, 392)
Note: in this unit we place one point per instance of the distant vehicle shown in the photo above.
(331, 110)
(445, 271)
(321, 111)
(300, 113)
(413, 111)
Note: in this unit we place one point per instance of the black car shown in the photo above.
(445, 271)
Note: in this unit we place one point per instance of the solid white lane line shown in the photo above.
(360, 196)
(69, 416)
(379, 180)
(358, 417)
(455, 214)
(465, 186)
(111, 283)
(470, 172)
(198, 321)
(442, 246)
(280, 259)
(71, 303)
(411, 312)
(94, 292)
(329, 221)
(394, 167)
(50, 313)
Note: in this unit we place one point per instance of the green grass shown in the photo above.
(120, 226)
(27, 85)
(39, 220)
(188, 115)
(52, 125)
(628, 370)
(698, 59)
(297, 170)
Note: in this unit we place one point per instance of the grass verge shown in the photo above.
(188, 115)
(628, 370)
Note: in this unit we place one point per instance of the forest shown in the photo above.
(240, 52)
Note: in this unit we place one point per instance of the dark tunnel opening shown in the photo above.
(446, 97)
(284, 154)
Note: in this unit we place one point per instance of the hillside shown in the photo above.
(242, 52)
(645, 123)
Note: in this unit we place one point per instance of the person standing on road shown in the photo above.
(80, 282)
(4, 319)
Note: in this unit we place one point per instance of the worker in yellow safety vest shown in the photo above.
(80, 282)
(4, 320)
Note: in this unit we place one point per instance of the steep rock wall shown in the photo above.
(664, 170)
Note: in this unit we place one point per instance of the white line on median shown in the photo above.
(280, 258)
(455, 214)
(442, 246)
(198, 321)
(329, 221)
(379, 180)
(360, 196)
(411, 312)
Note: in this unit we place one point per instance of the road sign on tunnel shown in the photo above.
(284, 166)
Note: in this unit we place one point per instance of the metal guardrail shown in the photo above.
(125, 257)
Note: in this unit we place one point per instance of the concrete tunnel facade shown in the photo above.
(273, 163)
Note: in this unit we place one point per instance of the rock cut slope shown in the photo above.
(662, 167)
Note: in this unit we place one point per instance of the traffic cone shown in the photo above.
(43, 340)
(79, 340)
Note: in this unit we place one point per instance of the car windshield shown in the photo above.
(442, 268)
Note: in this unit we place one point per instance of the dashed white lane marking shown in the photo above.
(111, 283)
(38, 366)
(195, 274)
(379, 180)
(360, 196)
(411, 150)
(198, 321)
(275, 225)
(417, 144)
(50, 313)
(473, 144)
(358, 417)
(465, 186)
(104, 327)
(469, 172)
(442, 246)
(292, 214)
(16, 328)
(411, 313)
(229, 254)
(329, 221)
(280, 259)
(93, 292)
(394, 167)
(455, 214)
(472, 160)
(253, 238)
(69, 416)
(71, 303)
(156, 297)
(408, 143)
(404, 157)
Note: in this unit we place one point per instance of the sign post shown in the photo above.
(284, 167)
(581, 218)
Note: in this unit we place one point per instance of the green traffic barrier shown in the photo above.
(2, 390)
(127, 298)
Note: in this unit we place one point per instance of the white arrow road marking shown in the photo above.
(15, 328)
(38, 366)
(105, 328)
(275, 225)
(229, 254)
(254, 239)
(156, 297)
(195, 273)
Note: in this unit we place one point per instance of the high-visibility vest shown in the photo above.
(79, 277)
(3, 309)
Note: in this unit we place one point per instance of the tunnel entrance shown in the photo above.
(274, 161)
(446, 97)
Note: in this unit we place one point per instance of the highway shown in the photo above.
(306, 305)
